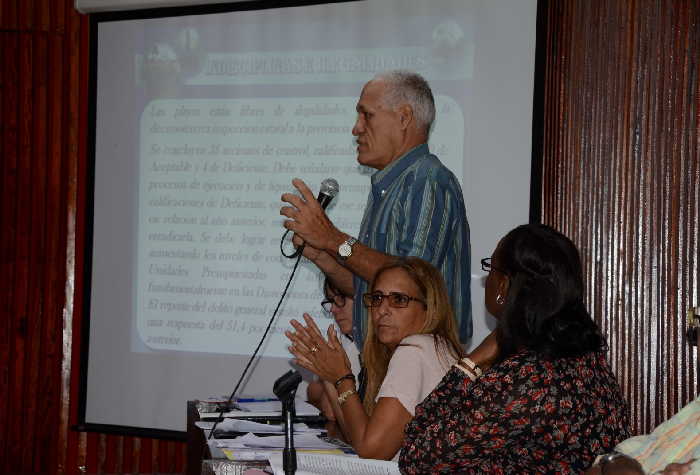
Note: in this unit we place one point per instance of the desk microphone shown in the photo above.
(329, 188)
(285, 389)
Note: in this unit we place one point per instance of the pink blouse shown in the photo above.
(415, 369)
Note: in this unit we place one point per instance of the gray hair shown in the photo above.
(407, 87)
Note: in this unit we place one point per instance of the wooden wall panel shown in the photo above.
(43, 126)
(621, 178)
(7, 232)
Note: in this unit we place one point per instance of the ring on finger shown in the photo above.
(314, 349)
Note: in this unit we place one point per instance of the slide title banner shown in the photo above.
(323, 66)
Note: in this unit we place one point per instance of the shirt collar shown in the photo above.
(382, 179)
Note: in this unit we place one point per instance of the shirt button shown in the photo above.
(383, 192)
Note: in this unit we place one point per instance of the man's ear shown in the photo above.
(405, 116)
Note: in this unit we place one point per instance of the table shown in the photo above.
(200, 459)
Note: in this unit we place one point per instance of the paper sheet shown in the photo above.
(315, 464)
(265, 409)
(248, 454)
(304, 441)
(301, 441)
(242, 425)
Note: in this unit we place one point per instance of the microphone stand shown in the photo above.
(285, 389)
(289, 455)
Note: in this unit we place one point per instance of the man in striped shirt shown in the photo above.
(415, 206)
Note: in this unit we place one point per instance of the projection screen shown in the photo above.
(201, 122)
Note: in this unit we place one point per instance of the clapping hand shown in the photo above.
(325, 358)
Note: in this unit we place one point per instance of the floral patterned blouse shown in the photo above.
(524, 415)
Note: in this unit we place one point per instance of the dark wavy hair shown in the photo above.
(544, 309)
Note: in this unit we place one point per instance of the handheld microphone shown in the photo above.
(329, 188)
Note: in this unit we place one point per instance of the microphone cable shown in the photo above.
(219, 418)
(329, 188)
(297, 252)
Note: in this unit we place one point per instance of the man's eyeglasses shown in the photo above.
(487, 267)
(395, 299)
(338, 300)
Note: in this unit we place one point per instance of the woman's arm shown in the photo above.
(486, 353)
(317, 395)
(314, 393)
(379, 436)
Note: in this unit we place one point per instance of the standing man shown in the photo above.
(415, 206)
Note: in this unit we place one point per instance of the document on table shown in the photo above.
(252, 447)
(301, 441)
(242, 425)
(317, 464)
(249, 454)
(265, 409)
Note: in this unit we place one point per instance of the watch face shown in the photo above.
(345, 250)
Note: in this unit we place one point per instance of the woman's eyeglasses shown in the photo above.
(395, 299)
(487, 267)
(338, 300)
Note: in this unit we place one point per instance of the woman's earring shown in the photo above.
(500, 300)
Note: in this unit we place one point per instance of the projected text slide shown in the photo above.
(209, 266)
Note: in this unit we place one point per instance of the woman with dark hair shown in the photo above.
(537, 395)
(410, 345)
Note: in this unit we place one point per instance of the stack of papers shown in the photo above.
(242, 425)
(320, 464)
(252, 447)
(264, 408)
(253, 454)
(249, 440)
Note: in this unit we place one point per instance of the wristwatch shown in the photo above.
(345, 249)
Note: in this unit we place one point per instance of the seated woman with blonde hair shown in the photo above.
(411, 343)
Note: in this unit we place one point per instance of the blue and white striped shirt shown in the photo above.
(416, 208)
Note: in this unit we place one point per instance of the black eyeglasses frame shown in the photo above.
(486, 266)
(338, 300)
(391, 299)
